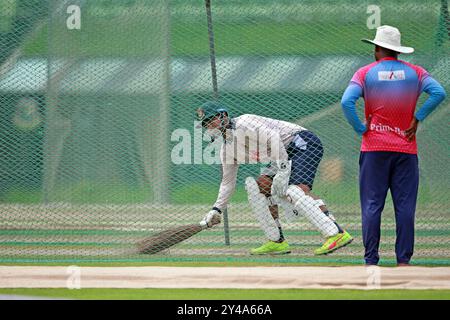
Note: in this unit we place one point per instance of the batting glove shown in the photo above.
(213, 217)
(280, 181)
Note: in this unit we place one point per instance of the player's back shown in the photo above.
(255, 123)
(258, 139)
(391, 89)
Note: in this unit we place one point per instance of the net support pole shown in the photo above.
(161, 172)
(212, 55)
(57, 128)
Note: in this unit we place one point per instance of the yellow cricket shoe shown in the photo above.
(272, 247)
(333, 243)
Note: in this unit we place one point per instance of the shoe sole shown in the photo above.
(335, 248)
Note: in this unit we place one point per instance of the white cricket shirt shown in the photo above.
(252, 139)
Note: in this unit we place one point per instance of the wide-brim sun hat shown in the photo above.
(390, 38)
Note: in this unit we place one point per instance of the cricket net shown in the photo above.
(98, 147)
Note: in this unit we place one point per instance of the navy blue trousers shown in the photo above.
(381, 171)
(305, 162)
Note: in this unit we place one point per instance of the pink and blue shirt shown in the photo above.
(390, 89)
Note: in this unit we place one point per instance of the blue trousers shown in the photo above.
(398, 172)
(305, 161)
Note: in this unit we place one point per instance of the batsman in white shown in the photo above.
(293, 155)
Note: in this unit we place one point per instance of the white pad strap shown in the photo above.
(290, 212)
(319, 202)
(310, 209)
(260, 208)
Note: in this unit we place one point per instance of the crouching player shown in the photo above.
(293, 154)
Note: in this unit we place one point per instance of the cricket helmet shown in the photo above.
(209, 110)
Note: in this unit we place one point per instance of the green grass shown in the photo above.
(190, 39)
(82, 192)
(232, 294)
(45, 233)
(85, 193)
(140, 36)
(208, 261)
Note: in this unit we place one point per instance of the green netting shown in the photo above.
(90, 118)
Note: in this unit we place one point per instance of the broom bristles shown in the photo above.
(167, 238)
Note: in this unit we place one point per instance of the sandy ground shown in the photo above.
(354, 277)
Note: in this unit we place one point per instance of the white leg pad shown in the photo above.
(310, 209)
(290, 212)
(260, 208)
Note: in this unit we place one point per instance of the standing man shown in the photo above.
(293, 154)
(388, 159)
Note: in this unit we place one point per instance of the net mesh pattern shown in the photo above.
(99, 148)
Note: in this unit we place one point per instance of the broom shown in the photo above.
(169, 238)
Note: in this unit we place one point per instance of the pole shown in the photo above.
(161, 172)
(212, 55)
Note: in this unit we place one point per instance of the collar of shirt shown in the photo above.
(387, 58)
